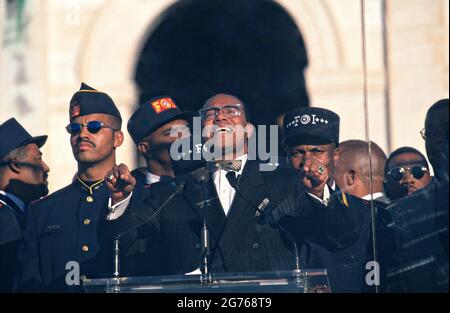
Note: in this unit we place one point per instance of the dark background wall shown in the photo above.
(250, 48)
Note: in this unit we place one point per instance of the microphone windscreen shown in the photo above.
(186, 156)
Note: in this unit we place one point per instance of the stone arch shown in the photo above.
(314, 19)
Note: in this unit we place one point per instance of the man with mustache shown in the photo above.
(61, 229)
(406, 171)
(23, 179)
(242, 238)
(313, 133)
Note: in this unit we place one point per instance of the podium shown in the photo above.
(304, 281)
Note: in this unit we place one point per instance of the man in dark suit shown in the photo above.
(23, 178)
(242, 238)
(313, 133)
(420, 220)
(60, 238)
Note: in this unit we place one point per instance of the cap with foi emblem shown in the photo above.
(87, 101)
(13, 135)
(153, 114)
(311, 126)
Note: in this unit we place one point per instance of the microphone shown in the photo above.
(260, 208)
(179, 188)
(202, 177)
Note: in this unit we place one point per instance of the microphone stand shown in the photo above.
(298, 274)
(202, 176)
(116, 274)
(116, 245)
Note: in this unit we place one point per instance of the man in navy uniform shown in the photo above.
(23, 178)
(313, 133)
(60, 237)
(154, 126)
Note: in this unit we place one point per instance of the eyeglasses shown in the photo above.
(398, 173)
(422, 133)
(229, 111)
(93, 127)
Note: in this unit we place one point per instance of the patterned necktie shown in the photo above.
(234, 165)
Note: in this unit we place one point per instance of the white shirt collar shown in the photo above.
(151, 178)
(375, 196)
(15, 199)
(333, 186)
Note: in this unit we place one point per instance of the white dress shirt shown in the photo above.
(375, 196)
(224, 190)
(151, 178)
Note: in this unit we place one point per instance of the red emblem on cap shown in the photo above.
(74, 110)
(163, 104)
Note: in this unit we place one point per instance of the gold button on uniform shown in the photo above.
(87, 221)
(85, 248)
(89, 199)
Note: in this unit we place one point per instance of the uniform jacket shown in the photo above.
(60, 228)
(11, 224)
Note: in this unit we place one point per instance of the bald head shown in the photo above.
(352, 167)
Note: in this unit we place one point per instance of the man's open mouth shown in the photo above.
(223, 130)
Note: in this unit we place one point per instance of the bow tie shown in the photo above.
(234, 165)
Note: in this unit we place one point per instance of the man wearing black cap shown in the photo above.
(60, 238)
(23, 178)
(154, 126)
(313, 133)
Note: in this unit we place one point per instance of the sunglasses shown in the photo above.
(93, 127)
(398, 173)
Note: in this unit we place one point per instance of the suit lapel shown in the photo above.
(215, 214)
(241, 214)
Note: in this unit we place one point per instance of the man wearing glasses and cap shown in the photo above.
(62, 227)
(246, 208)
(23, 179)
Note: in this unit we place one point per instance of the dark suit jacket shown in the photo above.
(170, 242)
(420, 222)
(11, 224)
(347, 268)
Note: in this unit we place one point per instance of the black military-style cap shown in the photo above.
(13, 135)
(153, 114)
(313, 126)
(88, 100)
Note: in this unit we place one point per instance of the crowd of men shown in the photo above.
(334, 205)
